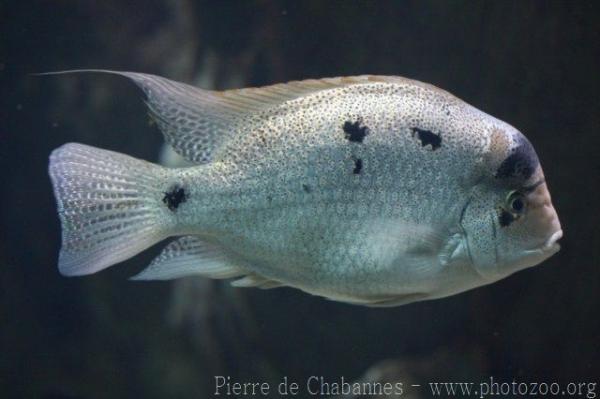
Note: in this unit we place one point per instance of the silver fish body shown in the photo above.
(369, 190)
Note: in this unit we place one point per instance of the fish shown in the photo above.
(369, 190)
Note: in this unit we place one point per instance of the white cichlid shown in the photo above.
(372, 190)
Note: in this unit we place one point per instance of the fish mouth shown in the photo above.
(551, 244)
(549, 248)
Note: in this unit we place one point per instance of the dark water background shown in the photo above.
(534, 64)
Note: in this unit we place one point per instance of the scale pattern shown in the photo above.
(359, 189)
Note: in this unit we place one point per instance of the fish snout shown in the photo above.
(544, 219)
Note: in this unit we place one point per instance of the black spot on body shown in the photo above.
(521, 162)
(427, 137)
(174, 197)
(355, 131)
(358, 164)
(307, 188)
(505, 218)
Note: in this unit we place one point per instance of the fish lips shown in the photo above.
(532, 257)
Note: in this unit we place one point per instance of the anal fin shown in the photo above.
(188, 256)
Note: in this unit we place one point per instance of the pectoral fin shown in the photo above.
(380, 301)
(412, 245)
(397, 300)
(454, 250)
(412, 254)
(255, 280)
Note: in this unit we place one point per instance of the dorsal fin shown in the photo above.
(198, 122)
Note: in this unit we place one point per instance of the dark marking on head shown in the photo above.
(355, 131)
(531, 188)
(269, 198)
(521, 162)
(307, 188)
(358, 164)
(505, 218)
(427, 137)
(174, 197)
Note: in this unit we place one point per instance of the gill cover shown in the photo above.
(481, 233)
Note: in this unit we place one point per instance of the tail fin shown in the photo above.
(108, 205)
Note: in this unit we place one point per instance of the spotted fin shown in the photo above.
(108, 207)
(197, 123)
(188, 256)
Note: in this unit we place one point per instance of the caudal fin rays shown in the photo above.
(107, 207)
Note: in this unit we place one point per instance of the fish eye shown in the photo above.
(516, 203)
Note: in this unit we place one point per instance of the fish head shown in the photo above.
(510, 222)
